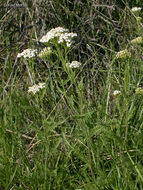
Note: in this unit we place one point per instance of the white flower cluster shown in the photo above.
(138, 40)
(116, 92)
(67, 37)
(123, 54)
(55, 32)
(61, 34)
(35, 88)
(27, 53)
(136, 9)
(45, 52)
(73, 64)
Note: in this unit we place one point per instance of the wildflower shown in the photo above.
(139, 19)
(139, 91)
(116, 92)
(27, 53)
(136, 9)
(55, 32)
(74, 64)
(45, 52)
(67, 37)
(42, 85)
(61, 34)
(35, 88)
(123, 54)
(138, 40)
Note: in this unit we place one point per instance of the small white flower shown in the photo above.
(136, 9)
(27, 53)
(116, 92)
(35, 88)
(59, 30)
(123, 54)
(55, 32)
(45, 52)
(73, 64)
(42, 85)
(61, 34)
(67, 37)
(68, 44)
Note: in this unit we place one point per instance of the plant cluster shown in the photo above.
(71, 103)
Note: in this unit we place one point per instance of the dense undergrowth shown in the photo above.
(83, 128)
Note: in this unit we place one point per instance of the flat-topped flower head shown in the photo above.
(59, 33)
(35, 88)
(136, 10)
(123, 54)
(67, 37)
(27, 53)
(116, 93)
(55, 32)
(45, 52)
(59, 30)
(74, 64)
(137, 41)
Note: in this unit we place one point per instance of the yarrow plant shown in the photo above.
(28, 53)
(116, 92)
(67, 37)
(123, 54)
(73, 64)
(59, 33)
(45, 52)
(138, 40)
(136, 10)
(35, 88)
(55, 32)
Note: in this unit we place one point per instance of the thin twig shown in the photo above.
(24, 136)
(30, 75)
(6, 61)
(33, 145)
(9, 79)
